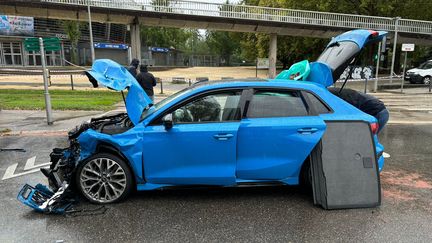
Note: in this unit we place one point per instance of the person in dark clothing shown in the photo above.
(364, 102)
(147, 81)
(133, 67)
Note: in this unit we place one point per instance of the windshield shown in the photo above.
(150, 110)
(425, 65)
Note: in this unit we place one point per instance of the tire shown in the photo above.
(306, 175)
(104, 178)
(427, 80)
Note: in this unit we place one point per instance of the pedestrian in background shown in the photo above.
(133, 67)
(147, 81)
(366, 103)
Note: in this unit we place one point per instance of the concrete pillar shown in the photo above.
(272, 56)
(135, 40)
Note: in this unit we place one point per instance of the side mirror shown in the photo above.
(167, 121)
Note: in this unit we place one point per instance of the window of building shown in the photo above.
(11, 54)
(276, 104)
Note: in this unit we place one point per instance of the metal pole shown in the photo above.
(161, 86)
(366, 83)
(91, 32)
(403, 75)
(394, 48)
(256, 68)
(45, 78)
(72, 84)
(377, 68)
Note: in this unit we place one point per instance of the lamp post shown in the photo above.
(91, 32)
(394, 47)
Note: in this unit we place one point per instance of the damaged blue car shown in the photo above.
(217, 133)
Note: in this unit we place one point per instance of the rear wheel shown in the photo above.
(306, 175)
(427, 80)
(104, 178)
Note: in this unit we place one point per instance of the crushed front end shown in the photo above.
(61, 193)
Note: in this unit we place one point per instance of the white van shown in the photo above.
(422, 74)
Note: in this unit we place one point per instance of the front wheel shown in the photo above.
(104, 178)
(427, 80)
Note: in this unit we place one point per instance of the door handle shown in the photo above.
(308, 130)
(223, 137)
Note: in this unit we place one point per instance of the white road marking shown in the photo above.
(386, 155)
(29, 168)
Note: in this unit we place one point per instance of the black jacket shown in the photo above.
(147, 81)
(133, 67)
(364, 102)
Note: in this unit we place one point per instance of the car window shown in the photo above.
(319, 106)
(211, 108)
(276, 104)
(425, 65)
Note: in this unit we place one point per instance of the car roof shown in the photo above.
(241, 83)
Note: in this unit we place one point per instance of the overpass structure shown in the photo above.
(225, 17)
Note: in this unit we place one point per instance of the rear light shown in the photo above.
(374, 128)
(374, 33)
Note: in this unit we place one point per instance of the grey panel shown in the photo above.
(344, 167)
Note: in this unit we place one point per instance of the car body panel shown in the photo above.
(189, 154)
(116, 77)
(279, 146)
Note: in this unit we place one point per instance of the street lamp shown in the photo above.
(91, 32)
(394, 47)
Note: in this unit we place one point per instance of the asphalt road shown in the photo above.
(236, 214)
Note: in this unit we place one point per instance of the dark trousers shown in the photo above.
(382, 117)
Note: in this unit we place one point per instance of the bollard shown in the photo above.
(72, 84)
(190, 83)
(161, 85)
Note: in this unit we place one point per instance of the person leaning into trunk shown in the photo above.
(147, 81)
(364, 102)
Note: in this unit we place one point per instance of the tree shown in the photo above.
(223, 43)
(73, 32)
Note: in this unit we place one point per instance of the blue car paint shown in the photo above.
(273, 148)
(361, 37)
(156, 163)
(116, 77)
(191, 154)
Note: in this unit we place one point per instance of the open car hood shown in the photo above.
(116, 77)
(342, 50)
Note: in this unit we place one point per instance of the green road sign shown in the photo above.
(50, 44)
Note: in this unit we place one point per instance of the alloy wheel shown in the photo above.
(103, 180)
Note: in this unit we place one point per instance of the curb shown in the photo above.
(44, 133)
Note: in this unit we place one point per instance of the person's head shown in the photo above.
(135, 62)
(143, 68)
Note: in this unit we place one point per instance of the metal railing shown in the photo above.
(234, 11)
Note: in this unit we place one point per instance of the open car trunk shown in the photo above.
(344, 167)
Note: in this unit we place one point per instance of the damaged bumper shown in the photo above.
(59, 196)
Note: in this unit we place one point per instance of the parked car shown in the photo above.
(214, 133)
(422, 74)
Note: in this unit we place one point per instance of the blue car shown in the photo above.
(217, 133)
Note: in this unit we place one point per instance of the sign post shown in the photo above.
(45, 79)
(406, 48)
(42, 45)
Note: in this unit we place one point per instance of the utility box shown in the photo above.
(344, 167)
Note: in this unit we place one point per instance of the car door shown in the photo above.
(276, 136)
(200, 148)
